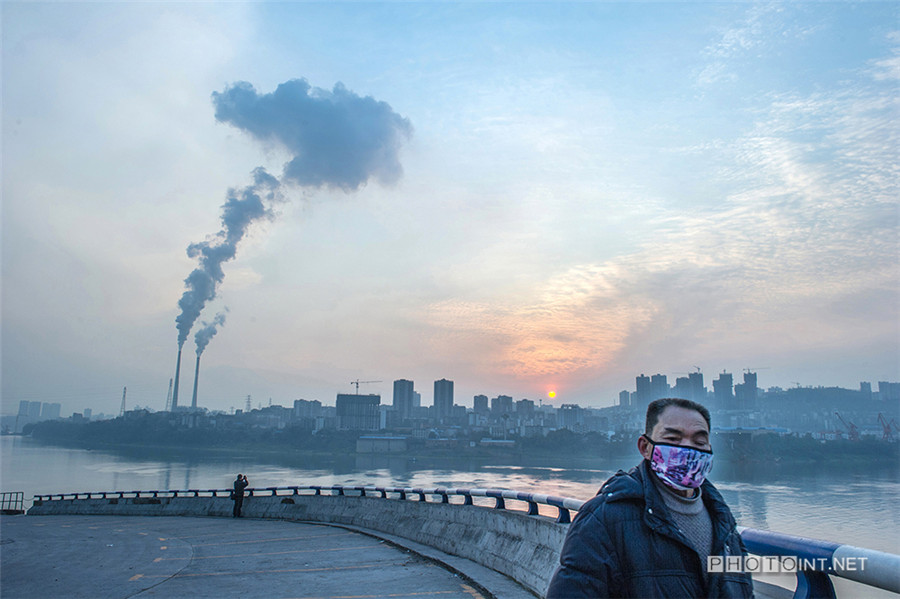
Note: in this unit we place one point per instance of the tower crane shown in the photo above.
(853, 435)
(357, 383)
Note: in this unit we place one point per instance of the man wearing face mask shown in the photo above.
(648, 532)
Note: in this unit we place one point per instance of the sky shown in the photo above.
(518, 197)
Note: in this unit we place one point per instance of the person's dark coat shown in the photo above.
(238, 496)
(624, 543)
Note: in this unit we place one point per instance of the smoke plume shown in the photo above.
(240, 210)
(336, 139)
(205, 334)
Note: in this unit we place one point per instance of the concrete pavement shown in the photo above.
(139, 556)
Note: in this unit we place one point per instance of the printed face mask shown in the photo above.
(680, 467)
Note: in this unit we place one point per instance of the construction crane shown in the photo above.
(749, 370)
(888, 434)
(122, 409)
(357, 383)
(698, 371)
(853, 435)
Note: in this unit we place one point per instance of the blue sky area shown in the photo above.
(555, 196)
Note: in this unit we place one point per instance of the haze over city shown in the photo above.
(550, 197)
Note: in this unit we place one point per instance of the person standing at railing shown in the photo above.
(649, 532)
(237, 494)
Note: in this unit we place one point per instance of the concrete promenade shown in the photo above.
(174, 557)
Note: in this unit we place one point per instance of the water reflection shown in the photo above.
(859, 508)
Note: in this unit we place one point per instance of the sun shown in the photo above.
(551, 394)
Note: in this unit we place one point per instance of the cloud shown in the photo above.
(337, 138)
(806, 234)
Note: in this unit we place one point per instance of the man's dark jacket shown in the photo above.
(624, 543)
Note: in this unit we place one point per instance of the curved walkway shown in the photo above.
(133, 556)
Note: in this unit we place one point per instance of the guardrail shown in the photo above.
(814, 561)
(532, 500)
(12, 502)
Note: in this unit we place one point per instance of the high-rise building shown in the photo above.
(888, 391)
(642, 391)
(500, 405)
(525, 408)
(358, 412)
(745, 394)
(403, 398)
(659, 386)
(50, 411)
(723, 390)
(866, 390)
(682, 388)
(304, 408)
(571, 416)
(443, 399)
(481, 405)
(698, 391)
(624, 399)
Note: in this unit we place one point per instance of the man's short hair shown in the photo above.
(656, 408)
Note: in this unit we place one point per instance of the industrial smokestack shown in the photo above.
(196, 376)
(177, 375)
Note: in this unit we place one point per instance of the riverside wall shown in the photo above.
(524, 548)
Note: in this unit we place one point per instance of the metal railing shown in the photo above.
(12, 502)
(815, 561)
(531, 501)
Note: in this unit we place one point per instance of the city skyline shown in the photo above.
(409, 398)
(570, 194)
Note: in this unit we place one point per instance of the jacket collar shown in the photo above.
(637, 484)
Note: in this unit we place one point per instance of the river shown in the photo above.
(853, 507)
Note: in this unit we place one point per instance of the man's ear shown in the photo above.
(644, 446)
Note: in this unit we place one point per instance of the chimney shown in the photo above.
(196, 376)
(177, 374)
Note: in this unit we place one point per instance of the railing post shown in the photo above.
(813, 584)
(563, 517)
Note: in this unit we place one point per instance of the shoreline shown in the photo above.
(831, 454)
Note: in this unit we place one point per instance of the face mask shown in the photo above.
(680, 467)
